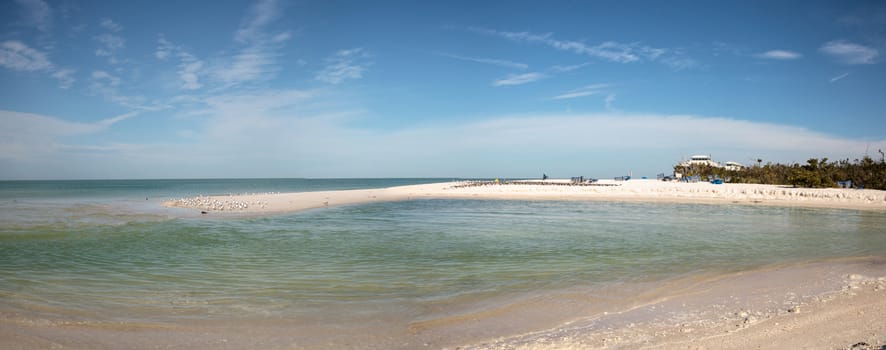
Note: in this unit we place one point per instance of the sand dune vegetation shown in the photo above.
(816, 173)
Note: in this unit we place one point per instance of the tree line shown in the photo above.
(816, 173)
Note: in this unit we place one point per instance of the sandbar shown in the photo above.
(604, 190)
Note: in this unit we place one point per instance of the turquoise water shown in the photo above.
(99, 250)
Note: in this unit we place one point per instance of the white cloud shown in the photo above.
(251, 64)
(165, 48)
(678, 60)
(254, 103)
(518, 79)
(266, 135)
(105, 79)
(281, 37)
(110, 43)
(252, 29)
(344, 65)
(108, 86)
(16, 55)
(576, 94)
(106, 123)
(65, 78)
(782, 55)
(839, 77)
(582, 92)
(257, 60)
(108, 24)
(36, 13)
(27, 135)
(609, 50)
(517, 146)
(564, 69)
(610, 99)
(849, 53)
(492, 61)
(189, 73)
(190, 67)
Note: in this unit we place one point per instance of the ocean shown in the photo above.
(378, 275)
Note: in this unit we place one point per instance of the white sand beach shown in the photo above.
(604, 190)
(828, 305)
(825, 305)
(831, 300)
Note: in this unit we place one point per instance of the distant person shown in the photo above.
(544, 176)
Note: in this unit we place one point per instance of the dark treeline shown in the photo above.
(864, 173)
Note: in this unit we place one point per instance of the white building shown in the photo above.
(706, 160)
(700, 160)
(734, 166)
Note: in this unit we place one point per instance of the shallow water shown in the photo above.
(102, 257)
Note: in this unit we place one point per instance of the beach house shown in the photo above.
(706, 160)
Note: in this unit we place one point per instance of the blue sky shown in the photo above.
(148, 89)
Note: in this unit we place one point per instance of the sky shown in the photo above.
(513, 89)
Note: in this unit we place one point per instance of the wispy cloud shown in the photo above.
(344, 65)
(564, 69)
(16, 55)
(254, 103)
(782, 55)
(189, 72)
(841, 76)
(165, 48)
(720, 48)
(108, 86)
(610, 100)
(519, 79)
(37, 14)
(190, 67)
(582, 92)
(65, 78)
(849, 53)
(26, 135)
(110, 42)
(511, 145)
(104, 83)
(252, 28)
(252, 64)
(110, 25)
(492, 61)
(257, 59)
(611, 51)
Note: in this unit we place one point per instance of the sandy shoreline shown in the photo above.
(633, 190)
(821, 305)
(833, 304)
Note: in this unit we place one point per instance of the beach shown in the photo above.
(822, 305)
(427, 264)
(603, 190)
